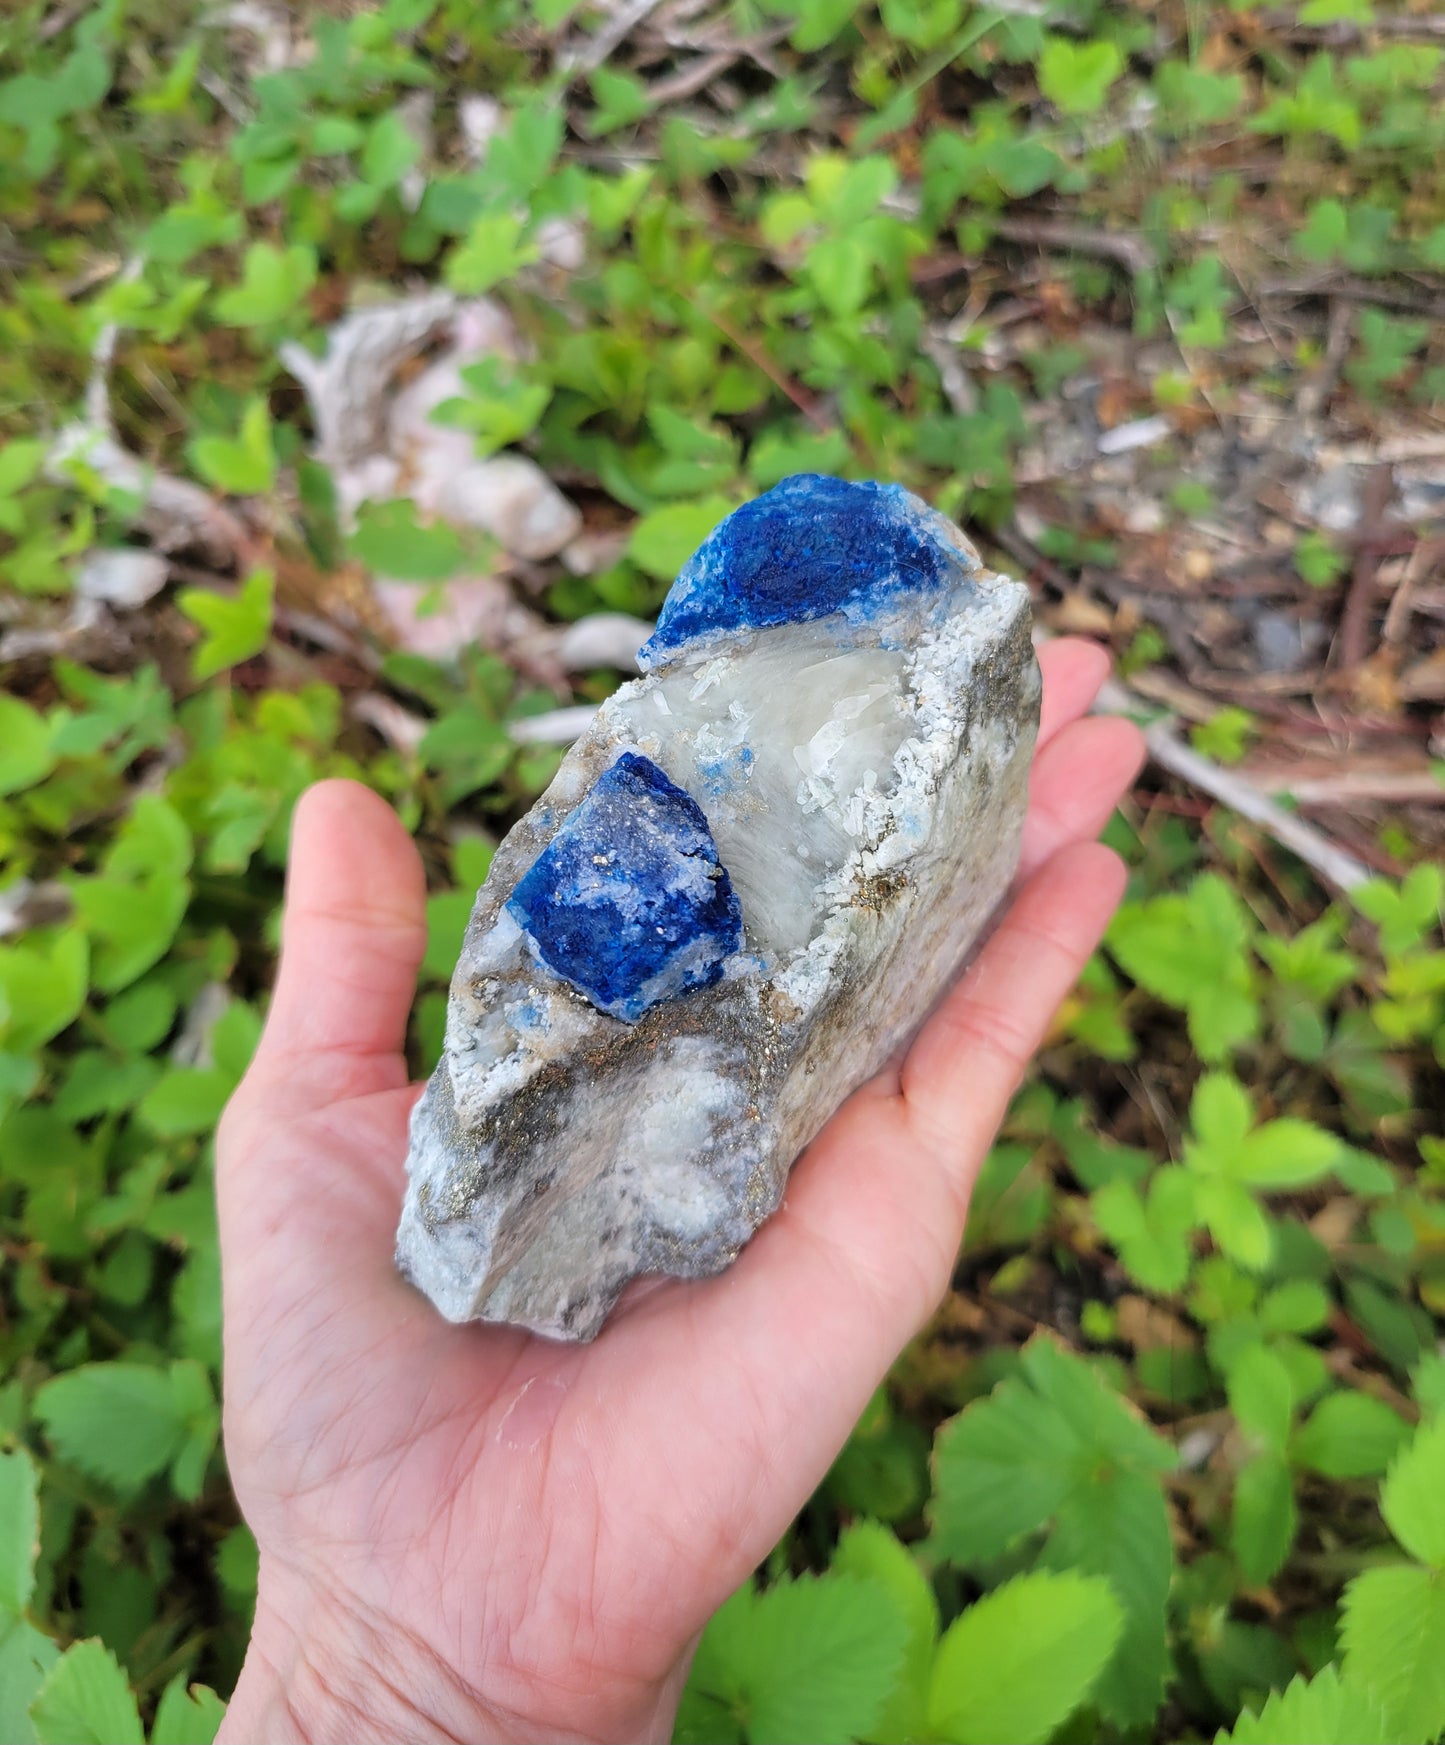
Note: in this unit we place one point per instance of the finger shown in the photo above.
(1075, 784)
(352, 937)
(1073, 671)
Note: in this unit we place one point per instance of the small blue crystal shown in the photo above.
(629, 902)
(810, 546)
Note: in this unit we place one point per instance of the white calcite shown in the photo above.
(863, 773)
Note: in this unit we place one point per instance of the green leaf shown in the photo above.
(1220, 1113)
(1412, 1499)
(273, 283)
(27, 752)
(1287, 1153)
(1261, 1397)
(187, 1716)
(86, 1700)
(1350, 1435)
(25, 1657)
(1322, 1710)
(1406, 912)
(119, 1422)
(1019, 1661)
(189, 1099)
(1057, 1447)
(1151, 1235)
(20, 462)
(1077, 76)
(813, 1659)
(870, 1552)
(1264, 1521)
(1236, 1221)
(390, 151)
(622, 98)
(42, 988)
(19, 1530)
(1191, 951)
(662, 542)
(244, 465)
(492, 250)
(1118, 1528)
(237, 627)
(391, 541)
(1393, 1634)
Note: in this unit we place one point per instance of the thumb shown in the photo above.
(352, 938)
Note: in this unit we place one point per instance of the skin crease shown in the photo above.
(470, 1533)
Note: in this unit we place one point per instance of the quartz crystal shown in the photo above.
(748, 883)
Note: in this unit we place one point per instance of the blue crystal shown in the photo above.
(810, 546)
(629, 902)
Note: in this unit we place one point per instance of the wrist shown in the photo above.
(317, 1673)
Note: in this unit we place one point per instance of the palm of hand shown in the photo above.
(511, 1537)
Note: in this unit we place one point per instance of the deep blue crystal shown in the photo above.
(810, 546)
(629, 901)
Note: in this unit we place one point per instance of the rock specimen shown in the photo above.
(749, 881)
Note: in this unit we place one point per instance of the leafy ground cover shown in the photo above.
(1151, 296)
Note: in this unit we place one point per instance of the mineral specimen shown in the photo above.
(749, 881)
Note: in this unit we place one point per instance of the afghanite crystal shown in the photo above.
(748, 883)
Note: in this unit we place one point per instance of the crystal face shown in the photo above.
(629, 901)
(809, 547)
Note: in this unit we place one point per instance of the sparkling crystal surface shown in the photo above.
(629, 902)
(810, 546)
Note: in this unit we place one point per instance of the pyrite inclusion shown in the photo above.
(746, 886)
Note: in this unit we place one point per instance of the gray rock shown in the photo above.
(863, 774)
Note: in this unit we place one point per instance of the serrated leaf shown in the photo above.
(1002, 1468)
(19, 1530)
(870, 1552)
(1060, 1449)
(119, 1422)
(1349, 1435)
(1323, 1710)
(1118, 1528)
(86, 1700)
(237, 627)
(1393, 1634)
(812, 1659)
(187, 1716)
(25, 1657)
(1412, 1499)
(1019, 1661)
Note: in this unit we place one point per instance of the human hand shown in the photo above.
(471, 1533)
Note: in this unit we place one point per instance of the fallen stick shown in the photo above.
(1333, 864)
